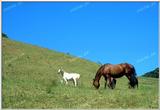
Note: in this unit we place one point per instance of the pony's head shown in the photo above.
(96, 83)
(60, 70)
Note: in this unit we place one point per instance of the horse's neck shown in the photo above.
(98, 76)
(64, 73)
(99, 73)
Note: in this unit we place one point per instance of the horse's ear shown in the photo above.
(58, 70)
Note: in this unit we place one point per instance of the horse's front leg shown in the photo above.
(65, 80)
(109, 84)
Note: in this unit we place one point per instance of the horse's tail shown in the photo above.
(134, 71)
(134, 78)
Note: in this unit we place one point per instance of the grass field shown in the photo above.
(30, 80)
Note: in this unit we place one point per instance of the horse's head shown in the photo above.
(96, 83)
(60, 70)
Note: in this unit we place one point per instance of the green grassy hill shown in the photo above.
(154, 73)
(30, 80)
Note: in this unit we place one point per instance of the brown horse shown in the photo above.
(110, 72)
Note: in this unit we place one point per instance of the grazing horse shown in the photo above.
(110, 72)
(69, 76)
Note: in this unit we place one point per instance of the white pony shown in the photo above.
(69, 76)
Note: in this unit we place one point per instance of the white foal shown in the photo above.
(69, 76)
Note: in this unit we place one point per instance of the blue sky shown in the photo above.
(106, 32)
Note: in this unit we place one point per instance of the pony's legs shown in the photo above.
(65, 80)
(75, 82)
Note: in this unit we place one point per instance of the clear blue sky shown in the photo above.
(109, 32)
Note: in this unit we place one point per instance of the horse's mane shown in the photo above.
(62, 71)
(98, 74)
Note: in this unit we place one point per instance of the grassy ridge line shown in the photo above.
(18, 49)
(30, 80)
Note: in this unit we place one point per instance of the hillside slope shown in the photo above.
(22, 58)
(30, 80)
(153, 74)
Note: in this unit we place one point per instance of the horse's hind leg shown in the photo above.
(75, 82)
(113, 83)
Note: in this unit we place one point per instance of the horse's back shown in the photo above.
(75, 75)
(114, 68)
(118, 70)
